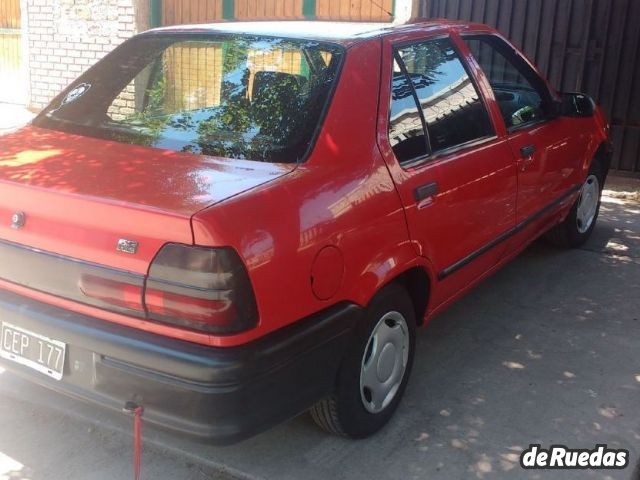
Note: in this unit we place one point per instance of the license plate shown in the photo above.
(32, 350)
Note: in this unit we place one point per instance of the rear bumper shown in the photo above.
(217, 394)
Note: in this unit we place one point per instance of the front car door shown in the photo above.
(455, 175)
(548, 148)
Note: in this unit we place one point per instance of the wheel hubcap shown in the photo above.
(384, 362)
(588, 203)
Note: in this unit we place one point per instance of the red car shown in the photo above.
(232, 224)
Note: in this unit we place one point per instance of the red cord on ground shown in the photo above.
(136, 410)
(137, 442)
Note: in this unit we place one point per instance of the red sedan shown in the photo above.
(232, 224)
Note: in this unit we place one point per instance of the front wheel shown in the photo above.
(576, 229)
(376, 368)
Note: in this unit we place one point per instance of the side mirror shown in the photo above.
(577, 105)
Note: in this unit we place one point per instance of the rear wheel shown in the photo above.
(374, 374)
(576, 229)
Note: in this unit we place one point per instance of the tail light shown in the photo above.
(205, 289)
(113, 292)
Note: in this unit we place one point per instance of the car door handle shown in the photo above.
(425, 191)
(528, 151)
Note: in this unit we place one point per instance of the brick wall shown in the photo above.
(65, 37)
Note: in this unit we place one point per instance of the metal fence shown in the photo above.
(580, 45)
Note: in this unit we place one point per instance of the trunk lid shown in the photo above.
(81, 195)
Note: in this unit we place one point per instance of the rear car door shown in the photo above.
(455, 176)
(549, 148)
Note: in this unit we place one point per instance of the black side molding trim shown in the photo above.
(508, 234)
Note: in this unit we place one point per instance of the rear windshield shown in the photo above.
(235, 96)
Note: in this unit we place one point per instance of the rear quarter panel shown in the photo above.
(341, 196)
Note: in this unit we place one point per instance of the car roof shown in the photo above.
(345, 33)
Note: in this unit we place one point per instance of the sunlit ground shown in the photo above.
(10, 469)
(628, 192)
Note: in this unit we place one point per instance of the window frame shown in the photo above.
(397, 59)
(522, 60)
(431, 155)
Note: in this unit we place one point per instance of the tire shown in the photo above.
(576, 229)
(354, 409)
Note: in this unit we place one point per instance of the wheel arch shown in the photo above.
(415, 273)
(602, 154)
(418, 285)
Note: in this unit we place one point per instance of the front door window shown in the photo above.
(522, 95)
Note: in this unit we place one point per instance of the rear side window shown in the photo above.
(406, 129)
(442, 93)
(234, 96)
